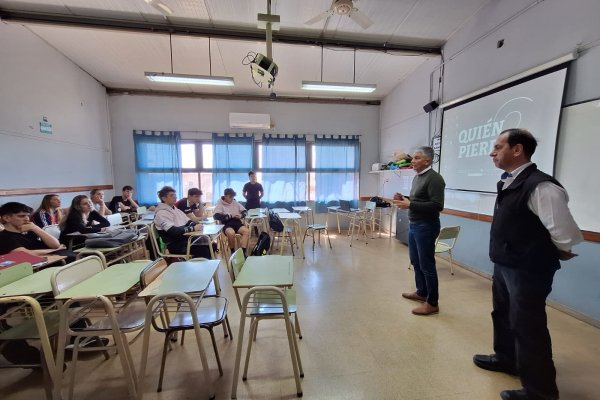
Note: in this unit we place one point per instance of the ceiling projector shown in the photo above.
(264, 70)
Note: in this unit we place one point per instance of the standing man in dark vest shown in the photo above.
(532, 230)
(424, 206)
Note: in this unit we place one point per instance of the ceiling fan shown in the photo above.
(343, 7)
(160, 6)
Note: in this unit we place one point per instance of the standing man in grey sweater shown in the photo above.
(424, 206)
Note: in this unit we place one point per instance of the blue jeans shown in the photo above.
(421, 248)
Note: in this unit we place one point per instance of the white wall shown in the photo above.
(190, 115)
(405, 125)
(38, 81)
(534, 32)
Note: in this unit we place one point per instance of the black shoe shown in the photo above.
(522, 394)
(492, 363)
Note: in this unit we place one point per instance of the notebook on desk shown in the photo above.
(18, 257)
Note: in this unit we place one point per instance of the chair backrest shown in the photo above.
(370, 205)
(154, 240)
(75, 272)
(265, 300)
(449, 234)
(53, 230)
(152, 271)
(237, 262)
(115, 219)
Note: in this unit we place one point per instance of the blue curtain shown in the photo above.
(336, 170)
(157, 163)
(233, 156)
(283, 170)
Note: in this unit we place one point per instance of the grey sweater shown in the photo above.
(426, 197)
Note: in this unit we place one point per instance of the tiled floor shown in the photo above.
(360, 341)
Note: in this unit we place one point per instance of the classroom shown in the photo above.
(80, 109)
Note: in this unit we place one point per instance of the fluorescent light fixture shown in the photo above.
(339, 87)
(189, 79)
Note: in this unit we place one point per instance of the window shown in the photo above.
(157, 163)
(283, 165)
(291, 170)
(336, 170)
(196, 163)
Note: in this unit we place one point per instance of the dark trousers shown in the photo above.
(421, 248)
(521, 336)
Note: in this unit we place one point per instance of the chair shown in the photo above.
(360, 219)
(33, 323)
(160, 251)
(265, 302)
(236, 262)
(101, 316)
(445, 242)
(211, 311)
(312, 228)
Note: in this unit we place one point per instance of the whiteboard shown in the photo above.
(578, 162)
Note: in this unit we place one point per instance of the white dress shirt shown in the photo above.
(550, 203)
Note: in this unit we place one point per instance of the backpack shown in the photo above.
(275, 222)
(263, 244)
(114, 238)
(379, 202)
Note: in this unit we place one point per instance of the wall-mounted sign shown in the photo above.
(45, 126)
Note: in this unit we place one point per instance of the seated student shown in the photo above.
(49, 212)
(81, 218)
(125, 202)
(191, 205)
(97, 197)
(230, 213)
(22, 235)
(172, 225)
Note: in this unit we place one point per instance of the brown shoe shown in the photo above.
(426, 309)
(414, 296)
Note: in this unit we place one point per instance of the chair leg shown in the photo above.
(74, 357)
(293, 344)
(297, 325)
(228, 328)
(214, 343)
(163, 362)
(451, 263)
(249, 348)
(329, 240)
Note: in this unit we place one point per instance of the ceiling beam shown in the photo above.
(206, 31)
(279, 99)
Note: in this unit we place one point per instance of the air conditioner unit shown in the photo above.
(249, 121)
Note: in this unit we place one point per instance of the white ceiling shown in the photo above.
(119, 58)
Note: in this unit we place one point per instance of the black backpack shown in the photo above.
(275, 223)
(263, 244)
(379, 202)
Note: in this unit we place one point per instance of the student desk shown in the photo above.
(109, 282)
(210, 232)
(269, 270)
(291, 224)
(179, 280)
